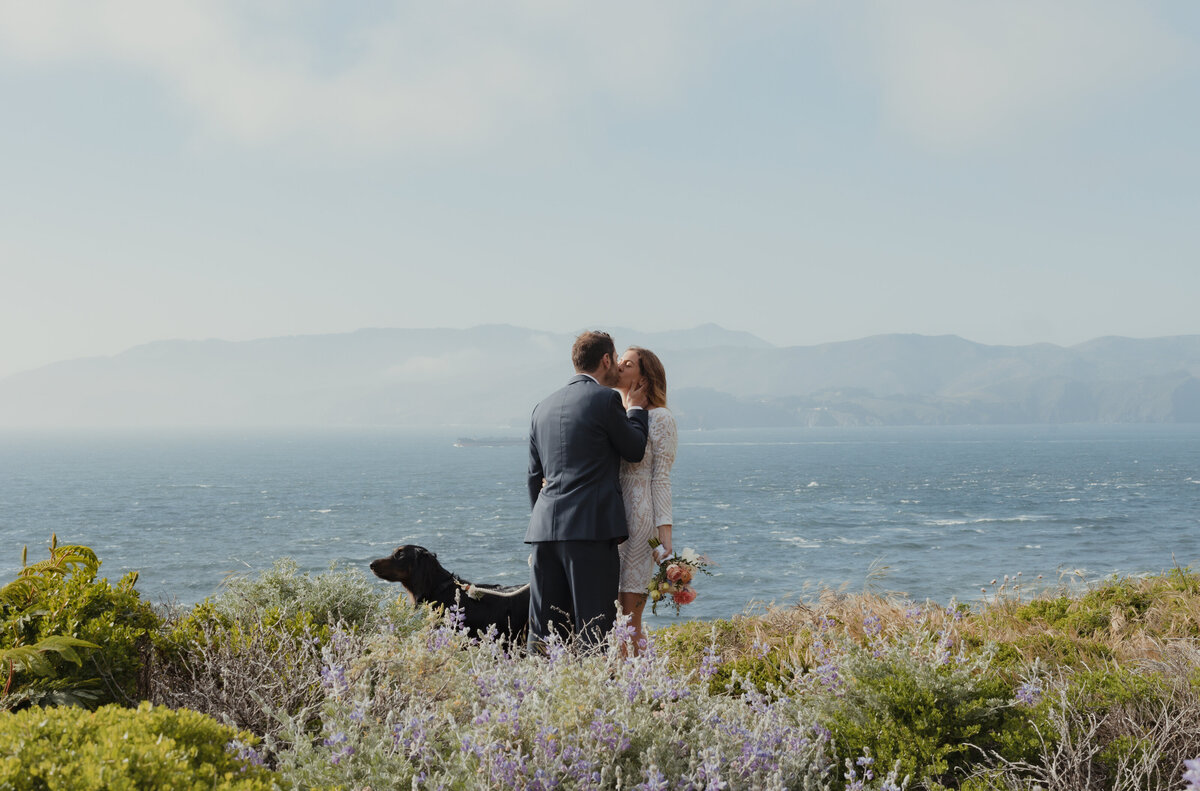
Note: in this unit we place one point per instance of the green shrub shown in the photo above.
(687, 642)
(917, 706)
(119, 748)
(1104, 689)
(339, 595)
(1049, 611)
(254, 650)
(1057, 649)
(736, 677)
(60, 601)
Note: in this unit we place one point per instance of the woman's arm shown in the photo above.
(664, 439)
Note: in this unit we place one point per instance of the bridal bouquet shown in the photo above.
(674, 578)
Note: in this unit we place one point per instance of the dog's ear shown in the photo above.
(422, 577)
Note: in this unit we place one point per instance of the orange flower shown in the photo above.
(675, 572)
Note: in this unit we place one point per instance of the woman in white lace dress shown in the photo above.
(646, 485)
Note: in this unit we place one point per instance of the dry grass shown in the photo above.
(1124, 620)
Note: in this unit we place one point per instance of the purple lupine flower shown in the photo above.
(612, 735)
(649, 648)
(340, 741)
(413, 737)
(873, 625)
(333, 678)
(623, 631)
(710, 771)
(944, 644)
(853, 781)
(440, 638)
(1029, 693)
(245, 753)
(829, 676)
(555, 648)
(1191, 774)
(655, 780)
(708, 665)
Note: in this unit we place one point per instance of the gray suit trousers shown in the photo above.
(581, 574)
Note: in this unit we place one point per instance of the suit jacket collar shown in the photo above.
(582, 378)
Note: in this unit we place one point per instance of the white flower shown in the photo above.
(690, 555)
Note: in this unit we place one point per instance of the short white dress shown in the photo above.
(646, 487)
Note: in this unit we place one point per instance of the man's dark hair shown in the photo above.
(590, 348)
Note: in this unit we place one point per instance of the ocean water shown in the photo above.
(932, 512)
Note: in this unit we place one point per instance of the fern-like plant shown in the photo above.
(68, 638)
(21, 602)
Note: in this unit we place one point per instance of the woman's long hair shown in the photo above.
(651, 369)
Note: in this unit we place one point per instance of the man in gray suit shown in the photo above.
(577, 439)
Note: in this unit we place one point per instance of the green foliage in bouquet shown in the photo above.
(114, 748)
(70, 638)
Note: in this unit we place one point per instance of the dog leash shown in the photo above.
(478, 593)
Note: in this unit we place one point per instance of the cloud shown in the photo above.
(957, 75)
(423, 76)
(447, 76)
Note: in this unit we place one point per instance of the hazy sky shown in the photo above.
(1011, 172)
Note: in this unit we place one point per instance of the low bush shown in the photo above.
(98, 634)
(121, 748)
(431, 710)
(255, 648)
(913, 701)
(339, 595)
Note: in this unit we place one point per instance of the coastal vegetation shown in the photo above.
(295, 680)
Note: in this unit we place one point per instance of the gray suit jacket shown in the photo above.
(576, 442)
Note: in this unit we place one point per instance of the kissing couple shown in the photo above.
(600, 456)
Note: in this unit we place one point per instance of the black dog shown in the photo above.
(418, 570)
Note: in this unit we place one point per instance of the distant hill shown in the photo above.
(492, 375)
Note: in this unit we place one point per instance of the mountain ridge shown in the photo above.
(493, 374)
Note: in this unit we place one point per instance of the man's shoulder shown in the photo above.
(580, 389)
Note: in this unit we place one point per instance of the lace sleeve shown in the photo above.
(664, 439)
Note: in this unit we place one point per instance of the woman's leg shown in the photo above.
(633, 604)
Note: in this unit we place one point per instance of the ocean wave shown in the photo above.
(1009, 519)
